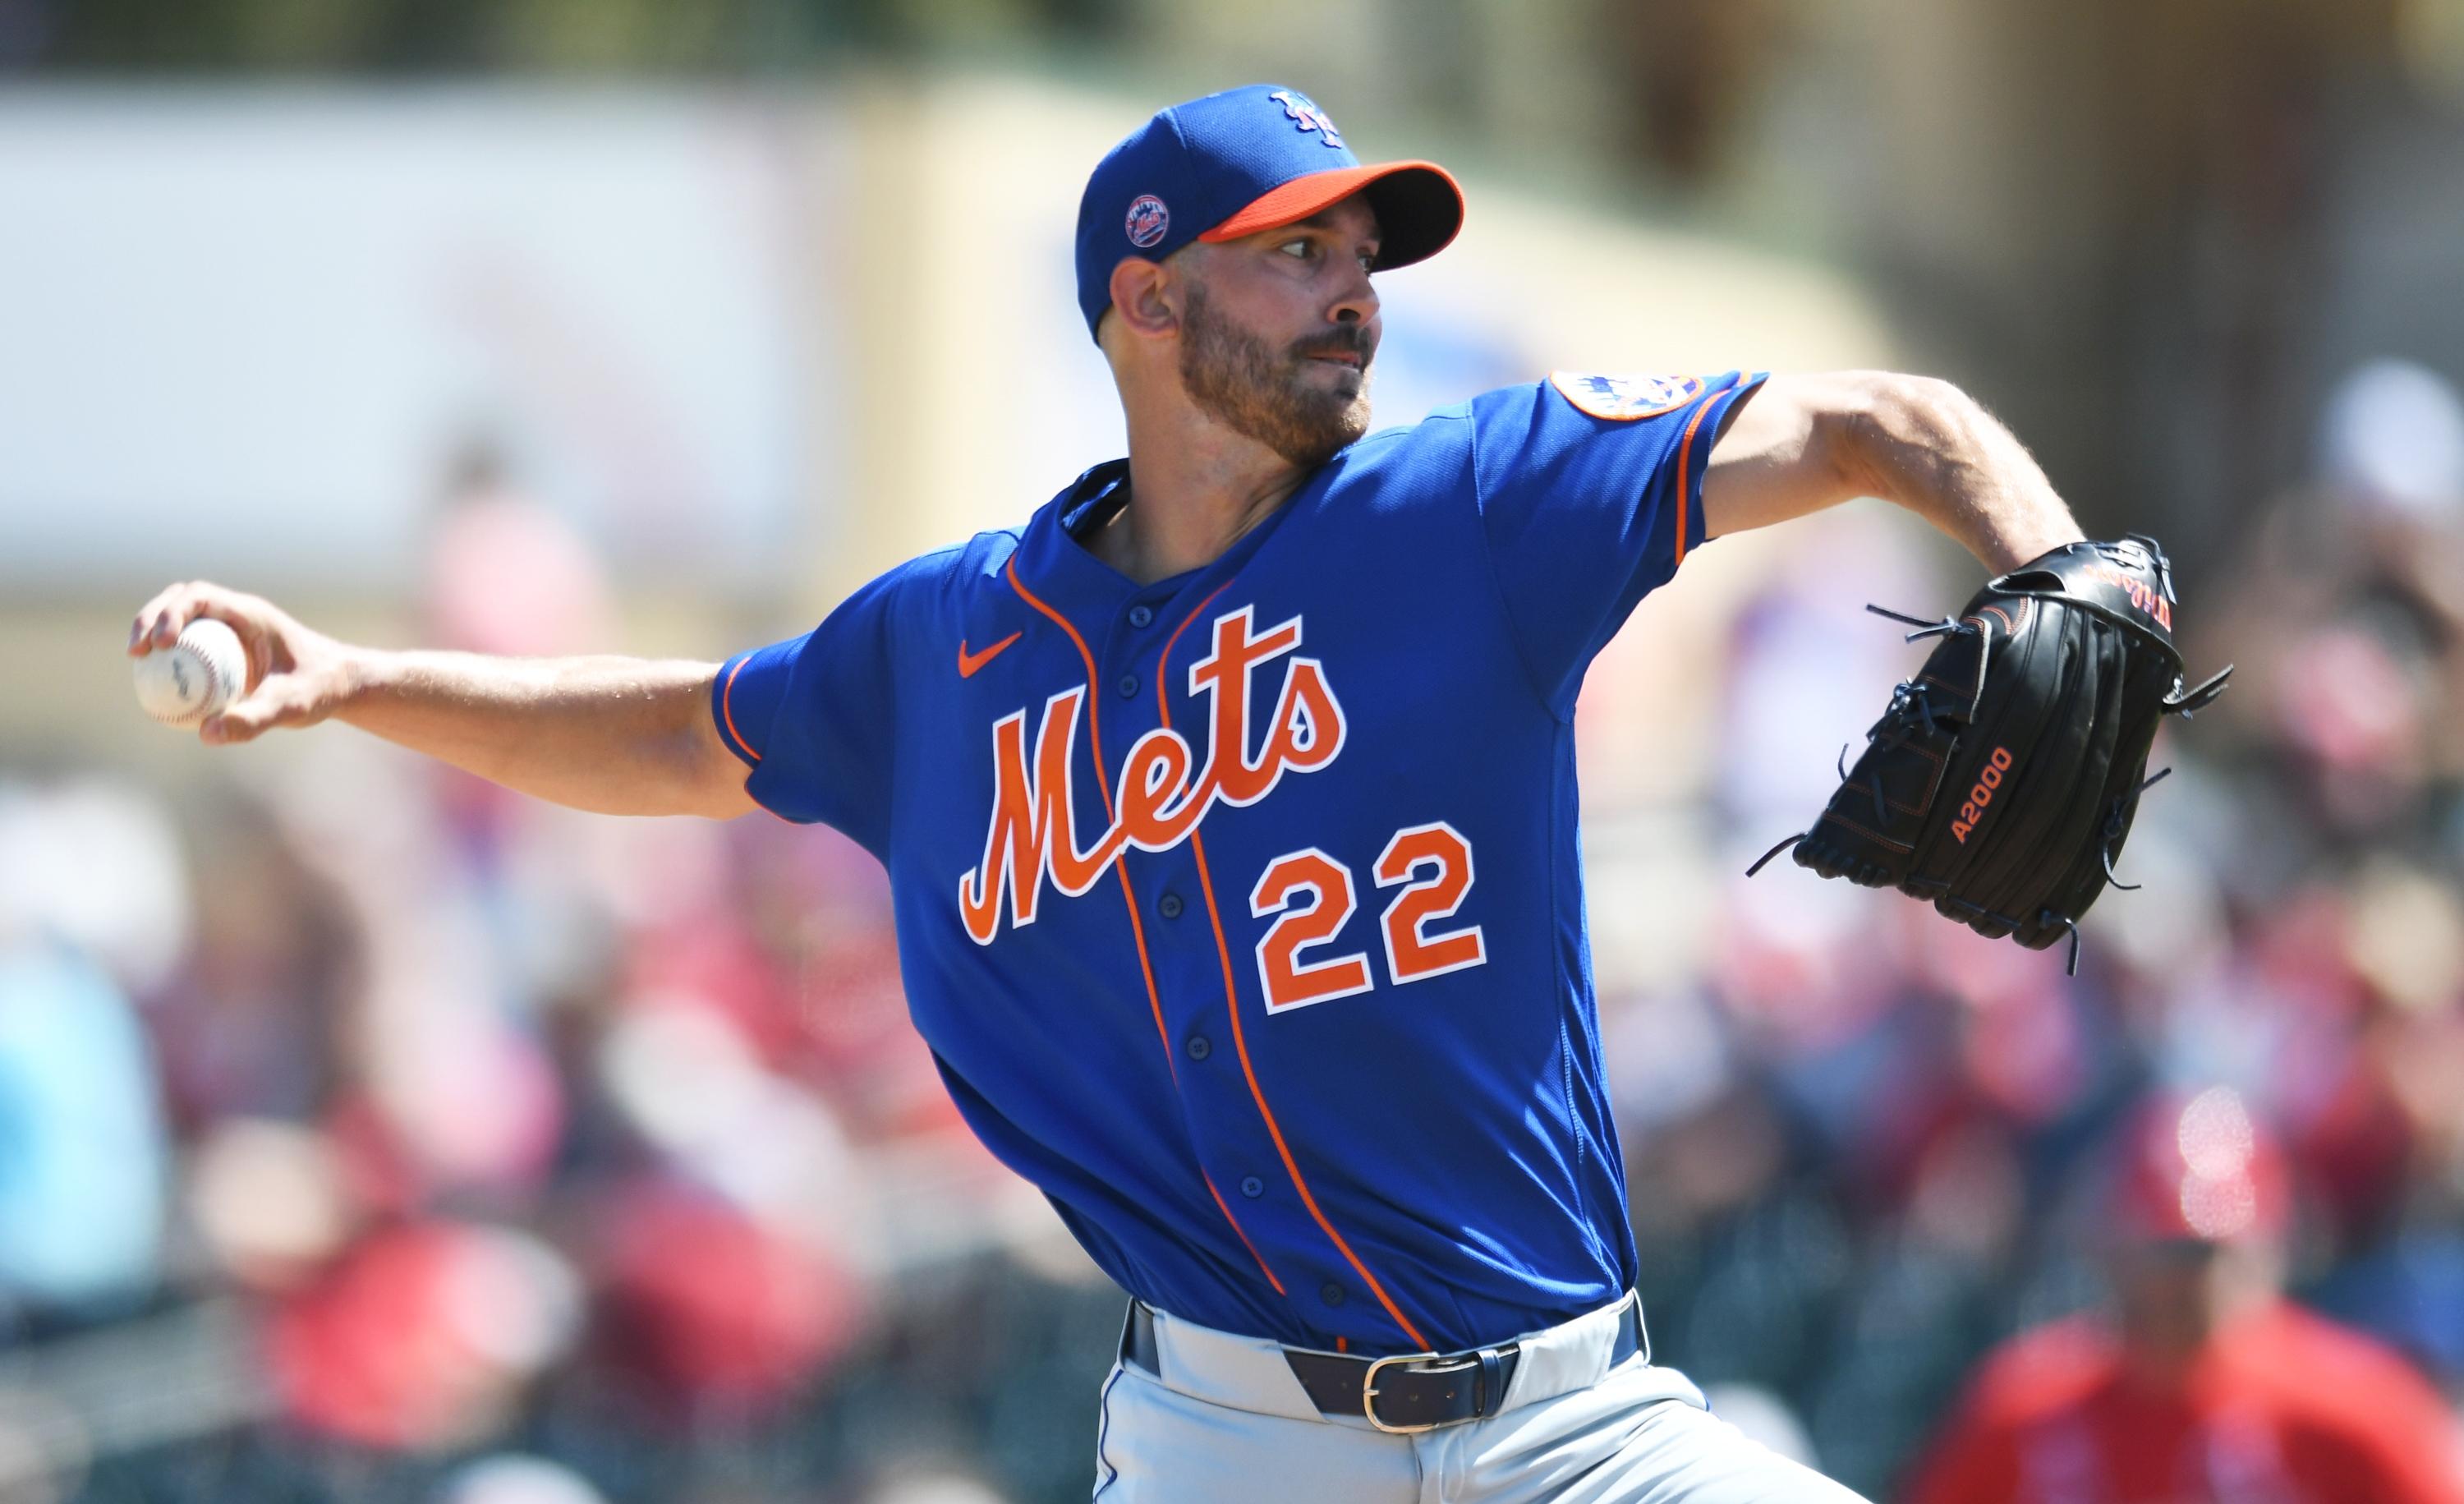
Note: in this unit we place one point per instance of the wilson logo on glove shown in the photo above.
(2142, 595)
(1982, 795)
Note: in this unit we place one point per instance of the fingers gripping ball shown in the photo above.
(2001, 781)
(197, 677)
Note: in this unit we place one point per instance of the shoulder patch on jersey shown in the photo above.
(1625, 398)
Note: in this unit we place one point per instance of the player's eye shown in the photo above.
(1300, 249)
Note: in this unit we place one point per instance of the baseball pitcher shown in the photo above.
(1230, 812)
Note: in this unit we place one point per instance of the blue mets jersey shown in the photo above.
(1243, 911)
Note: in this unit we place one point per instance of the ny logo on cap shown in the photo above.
(1307, 116)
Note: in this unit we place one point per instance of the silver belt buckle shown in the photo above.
(1369, 1393)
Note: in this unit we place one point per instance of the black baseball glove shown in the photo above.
(2002, 780)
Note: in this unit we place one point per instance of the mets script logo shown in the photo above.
(1307, 116)
(1147, 221)
(1624, 398)
(1162, 791)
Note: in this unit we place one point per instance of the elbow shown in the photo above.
(1920, 402)
(1894, 428)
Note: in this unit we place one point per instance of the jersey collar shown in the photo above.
(1067, 575)
(1057, 567)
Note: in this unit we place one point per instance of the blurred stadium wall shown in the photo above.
(754, 350)
(2153, 235)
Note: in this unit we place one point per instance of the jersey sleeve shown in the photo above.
(815, 717)
(1590, 489)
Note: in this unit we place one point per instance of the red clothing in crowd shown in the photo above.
(2283, 1408)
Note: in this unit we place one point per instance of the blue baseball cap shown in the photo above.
(1236, 162)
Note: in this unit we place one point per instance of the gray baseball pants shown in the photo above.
(1225, 1420)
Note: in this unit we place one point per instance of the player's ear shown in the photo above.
(1144, 297)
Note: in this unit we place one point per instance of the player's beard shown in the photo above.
(1237, 380)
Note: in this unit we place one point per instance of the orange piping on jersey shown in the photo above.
(1232, 1007)
(1121, 870)
(726, 693)
(1163, 700)
(1342, 1343)
(1224, 1207)
(1686, 453)
(1094, 720)
(1120, 865)
(1163, 703)
(727, 712)
(1232, 1004)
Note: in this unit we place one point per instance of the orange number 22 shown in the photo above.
(1312, 895)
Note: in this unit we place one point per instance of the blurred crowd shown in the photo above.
(368, 1132)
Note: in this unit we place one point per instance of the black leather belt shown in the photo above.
(1409, 1392)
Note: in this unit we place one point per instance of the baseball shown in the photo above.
(195, 678)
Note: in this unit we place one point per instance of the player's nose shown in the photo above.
(1356, 303)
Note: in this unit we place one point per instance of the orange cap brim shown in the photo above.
(1420, 208)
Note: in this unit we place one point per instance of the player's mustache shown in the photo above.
(1349, 340)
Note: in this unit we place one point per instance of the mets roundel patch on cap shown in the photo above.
(1148, 220)
(1624, 398)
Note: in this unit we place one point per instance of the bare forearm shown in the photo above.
(618, 736)
(1933, 450)
(1804, 442)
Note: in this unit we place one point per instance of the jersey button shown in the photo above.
(1252, 1187)
(1141, 614)
(1197, 1047)
(1129, 686)
(1169, 906)
(1331, 1292)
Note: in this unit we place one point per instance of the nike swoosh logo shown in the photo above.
(970, 662)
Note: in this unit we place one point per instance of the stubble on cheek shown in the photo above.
(1240, 381)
